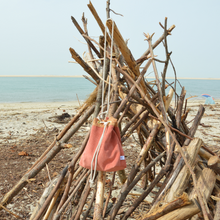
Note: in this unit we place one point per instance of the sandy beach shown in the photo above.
(27, 129)
(19, 120)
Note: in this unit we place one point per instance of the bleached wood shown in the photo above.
(118, 39)
(205, 184)
(182, 179)
(214, 164)
(98, 209)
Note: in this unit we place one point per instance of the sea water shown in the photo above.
(44, 89)
(59, 89)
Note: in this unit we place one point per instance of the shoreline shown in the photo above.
(38, 105)
(81, 76)
(197, 100)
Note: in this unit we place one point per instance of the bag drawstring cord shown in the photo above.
(96, 153)
(95, 156)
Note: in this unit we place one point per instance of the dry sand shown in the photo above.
(18, 120)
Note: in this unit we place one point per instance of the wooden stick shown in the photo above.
(90, 205)
(180, 107)
(177, 144)
(147, 52)
(160, 94)
(84, 20)
(127, 135)
(124, 101)
(168, 182)
(49, 198)
(167, 58)
(56, 217)
(98, 208)
(7, 210)
(99, 21)
(118, 39)
(136, 116)
(205, 184)
(128, 187)
(179, 202)
(86, 39)
(109, 195)
(82, 201)
(71, 171)
(196, 123)
(182, 180)
(217, 212)
(214, 164)
(51, 206)
(83, 64)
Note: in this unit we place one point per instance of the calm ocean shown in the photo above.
(58, 89)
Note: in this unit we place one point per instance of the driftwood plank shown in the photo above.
(182, 180)
(206, 184)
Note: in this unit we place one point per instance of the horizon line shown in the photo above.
(81, 76)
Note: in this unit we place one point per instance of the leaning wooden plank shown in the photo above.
(182, 180)
(118, 39)
(84, 65)
(206, 184)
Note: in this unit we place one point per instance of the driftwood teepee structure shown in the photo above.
(188, 171)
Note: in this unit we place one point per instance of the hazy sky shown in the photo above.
(35, 35)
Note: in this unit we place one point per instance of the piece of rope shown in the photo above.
(102, 113)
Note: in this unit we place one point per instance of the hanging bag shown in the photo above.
(103, 151)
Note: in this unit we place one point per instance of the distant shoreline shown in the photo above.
(80, 76)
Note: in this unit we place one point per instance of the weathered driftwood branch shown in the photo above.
(99, 21)
(195, 124)
(59, 212)
(46, 203)
(206, 184)
(214, 164)
(44, 196)
(129, 185)
(167, 58)
(86, 39)
(147, 52)
(182, 180)
(131, 98)
(84, 65)
(179, 202)
(177, 144)
(118, 39)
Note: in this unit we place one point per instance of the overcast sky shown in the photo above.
(35, 35)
